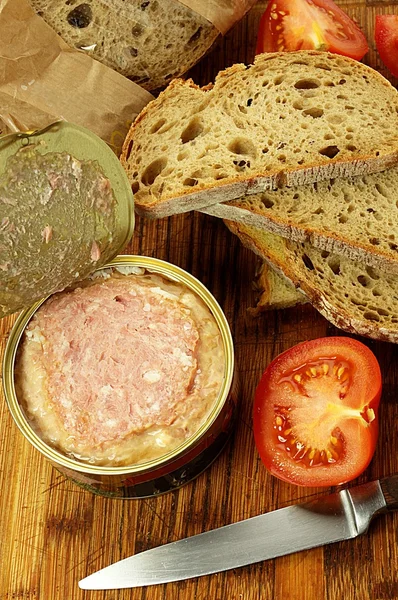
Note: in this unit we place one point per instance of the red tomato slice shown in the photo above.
(386, 36)
(315, 412)
(309, 25)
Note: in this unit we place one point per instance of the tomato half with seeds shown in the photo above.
(315, 412)
(309, 25)
(386, 37)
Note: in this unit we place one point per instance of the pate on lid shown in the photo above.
(66, 209)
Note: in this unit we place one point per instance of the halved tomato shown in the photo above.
(309, 25)
(315, 412)
(386, 37)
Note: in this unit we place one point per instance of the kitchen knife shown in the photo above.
(340, 516)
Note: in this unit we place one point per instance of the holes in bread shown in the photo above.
(190, 182)
(298, 105)
(371, 316)
(153, 170)
(240, 165)
(372, 273)
(133, 52)
(333, 263)
(323, 66)
(137, 30)
(158, 125)
(242, 146)
(195, 37)
(278, 80)
(182, 156)
(192, 130)
(335, 119)
(351, 148)
(307, 84)
(364, 281)
(135, 186)
(267, 201)
(343, 219)
(329, 151)
(382, 190)
(374, 241)
(81, 16)
(307, 262)
(129, 149)
(393, 246)
(314, 112)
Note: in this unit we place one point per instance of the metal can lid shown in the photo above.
(66, 209)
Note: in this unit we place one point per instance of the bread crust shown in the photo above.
(331, 241)
(278, 258)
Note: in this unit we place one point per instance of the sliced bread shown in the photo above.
(354, 297)
(292, 118)
(149, 41)
(274, 290)
(356, 217)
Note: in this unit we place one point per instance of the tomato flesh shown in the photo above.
(289, 25)
(386, 37)
(315, 412)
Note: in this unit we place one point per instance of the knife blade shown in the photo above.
(339, 516)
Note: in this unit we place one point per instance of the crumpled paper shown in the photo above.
(222, 13)
(43, 80)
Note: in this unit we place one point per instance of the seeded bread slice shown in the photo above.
(354, 297)
(292, 118)
(356, 217)
(150, 41)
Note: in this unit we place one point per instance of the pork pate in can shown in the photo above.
(125, 381)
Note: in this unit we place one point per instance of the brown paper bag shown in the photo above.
(42, 80)
(222, 13)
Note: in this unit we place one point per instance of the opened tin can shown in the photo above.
(159, 355)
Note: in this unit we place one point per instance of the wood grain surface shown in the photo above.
(52, 533)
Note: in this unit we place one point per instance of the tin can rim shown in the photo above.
(153, 265)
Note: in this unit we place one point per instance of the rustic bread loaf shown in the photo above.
(274, 290)
(150, 41)
(354, 297)
(292, 118)
(356, 217)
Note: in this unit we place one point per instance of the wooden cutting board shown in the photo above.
(52, 533)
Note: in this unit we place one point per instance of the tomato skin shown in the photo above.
(386, 37)
(289, 25)
(319, 405)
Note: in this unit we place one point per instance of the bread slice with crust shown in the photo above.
(150, 41)
(291, 118)
(274, 290)
(356, 217)
(353, 296)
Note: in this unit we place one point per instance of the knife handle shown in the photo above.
(389, 487)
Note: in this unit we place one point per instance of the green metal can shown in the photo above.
(179, 464)
(66, 208)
